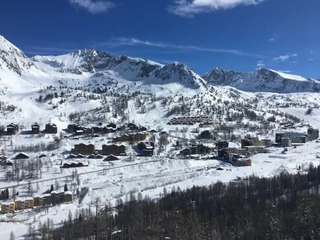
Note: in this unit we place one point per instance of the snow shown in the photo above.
(110, 181)
(290, 76)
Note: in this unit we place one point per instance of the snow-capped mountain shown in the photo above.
(133, 69)
(88, 64)
(12, 58)
(92, 88)
(263, 80)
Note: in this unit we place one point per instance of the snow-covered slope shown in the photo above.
(133, 69)
(264, 80)
(12, 58)
(94, 88)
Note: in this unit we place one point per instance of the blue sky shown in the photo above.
(240, 35)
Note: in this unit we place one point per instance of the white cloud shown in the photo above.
(134, 42)
(189, 8)
(260, 64)
(284, 58)
(93, 7)
(274, 38)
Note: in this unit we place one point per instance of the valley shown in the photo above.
(100, 103)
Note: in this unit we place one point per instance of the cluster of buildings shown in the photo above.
(49, 128)
(52, 128)
(249, 145)
(202, 120)
(89, 149)
(145, 148)
(45, 200)
(287, 138)
(110, 128)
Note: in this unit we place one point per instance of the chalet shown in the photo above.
(38, 201)
(29, 203)
(83, 149)
(205, 135)
(111, 158)
(198, 149)
(131, 137)
(19, 204)
(142, 129)
(21, 156)
(51, 128)
(46, 200)
(73, 165)
(57, 197)
(223, 153)
(222, 144)
(75, 128)
(52, 198)
(67, 196)
(7, 207)
(95, 156)
(123, 138)
(146, 148)
(102, 130)
(12, 129)
(35, 128)
(113, 149)
(88, 131)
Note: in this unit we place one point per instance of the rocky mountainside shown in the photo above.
(263, 80)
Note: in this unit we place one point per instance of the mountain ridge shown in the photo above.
(91, 61)
(263, 80)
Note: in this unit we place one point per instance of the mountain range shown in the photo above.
(174, 106)
(86, 64)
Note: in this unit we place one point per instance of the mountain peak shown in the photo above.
(263, 80)
(12, 57)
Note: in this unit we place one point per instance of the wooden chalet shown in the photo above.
(21, 156)
(147, 148)
(111, 158)
(51, 128)
(12, 129)
(118, 150)
(132, 138)
(35, 128)
(83, 149)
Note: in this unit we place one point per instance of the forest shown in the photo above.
(285, 206)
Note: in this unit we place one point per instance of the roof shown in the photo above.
(21, 156)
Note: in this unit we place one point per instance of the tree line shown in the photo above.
(286, 206)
